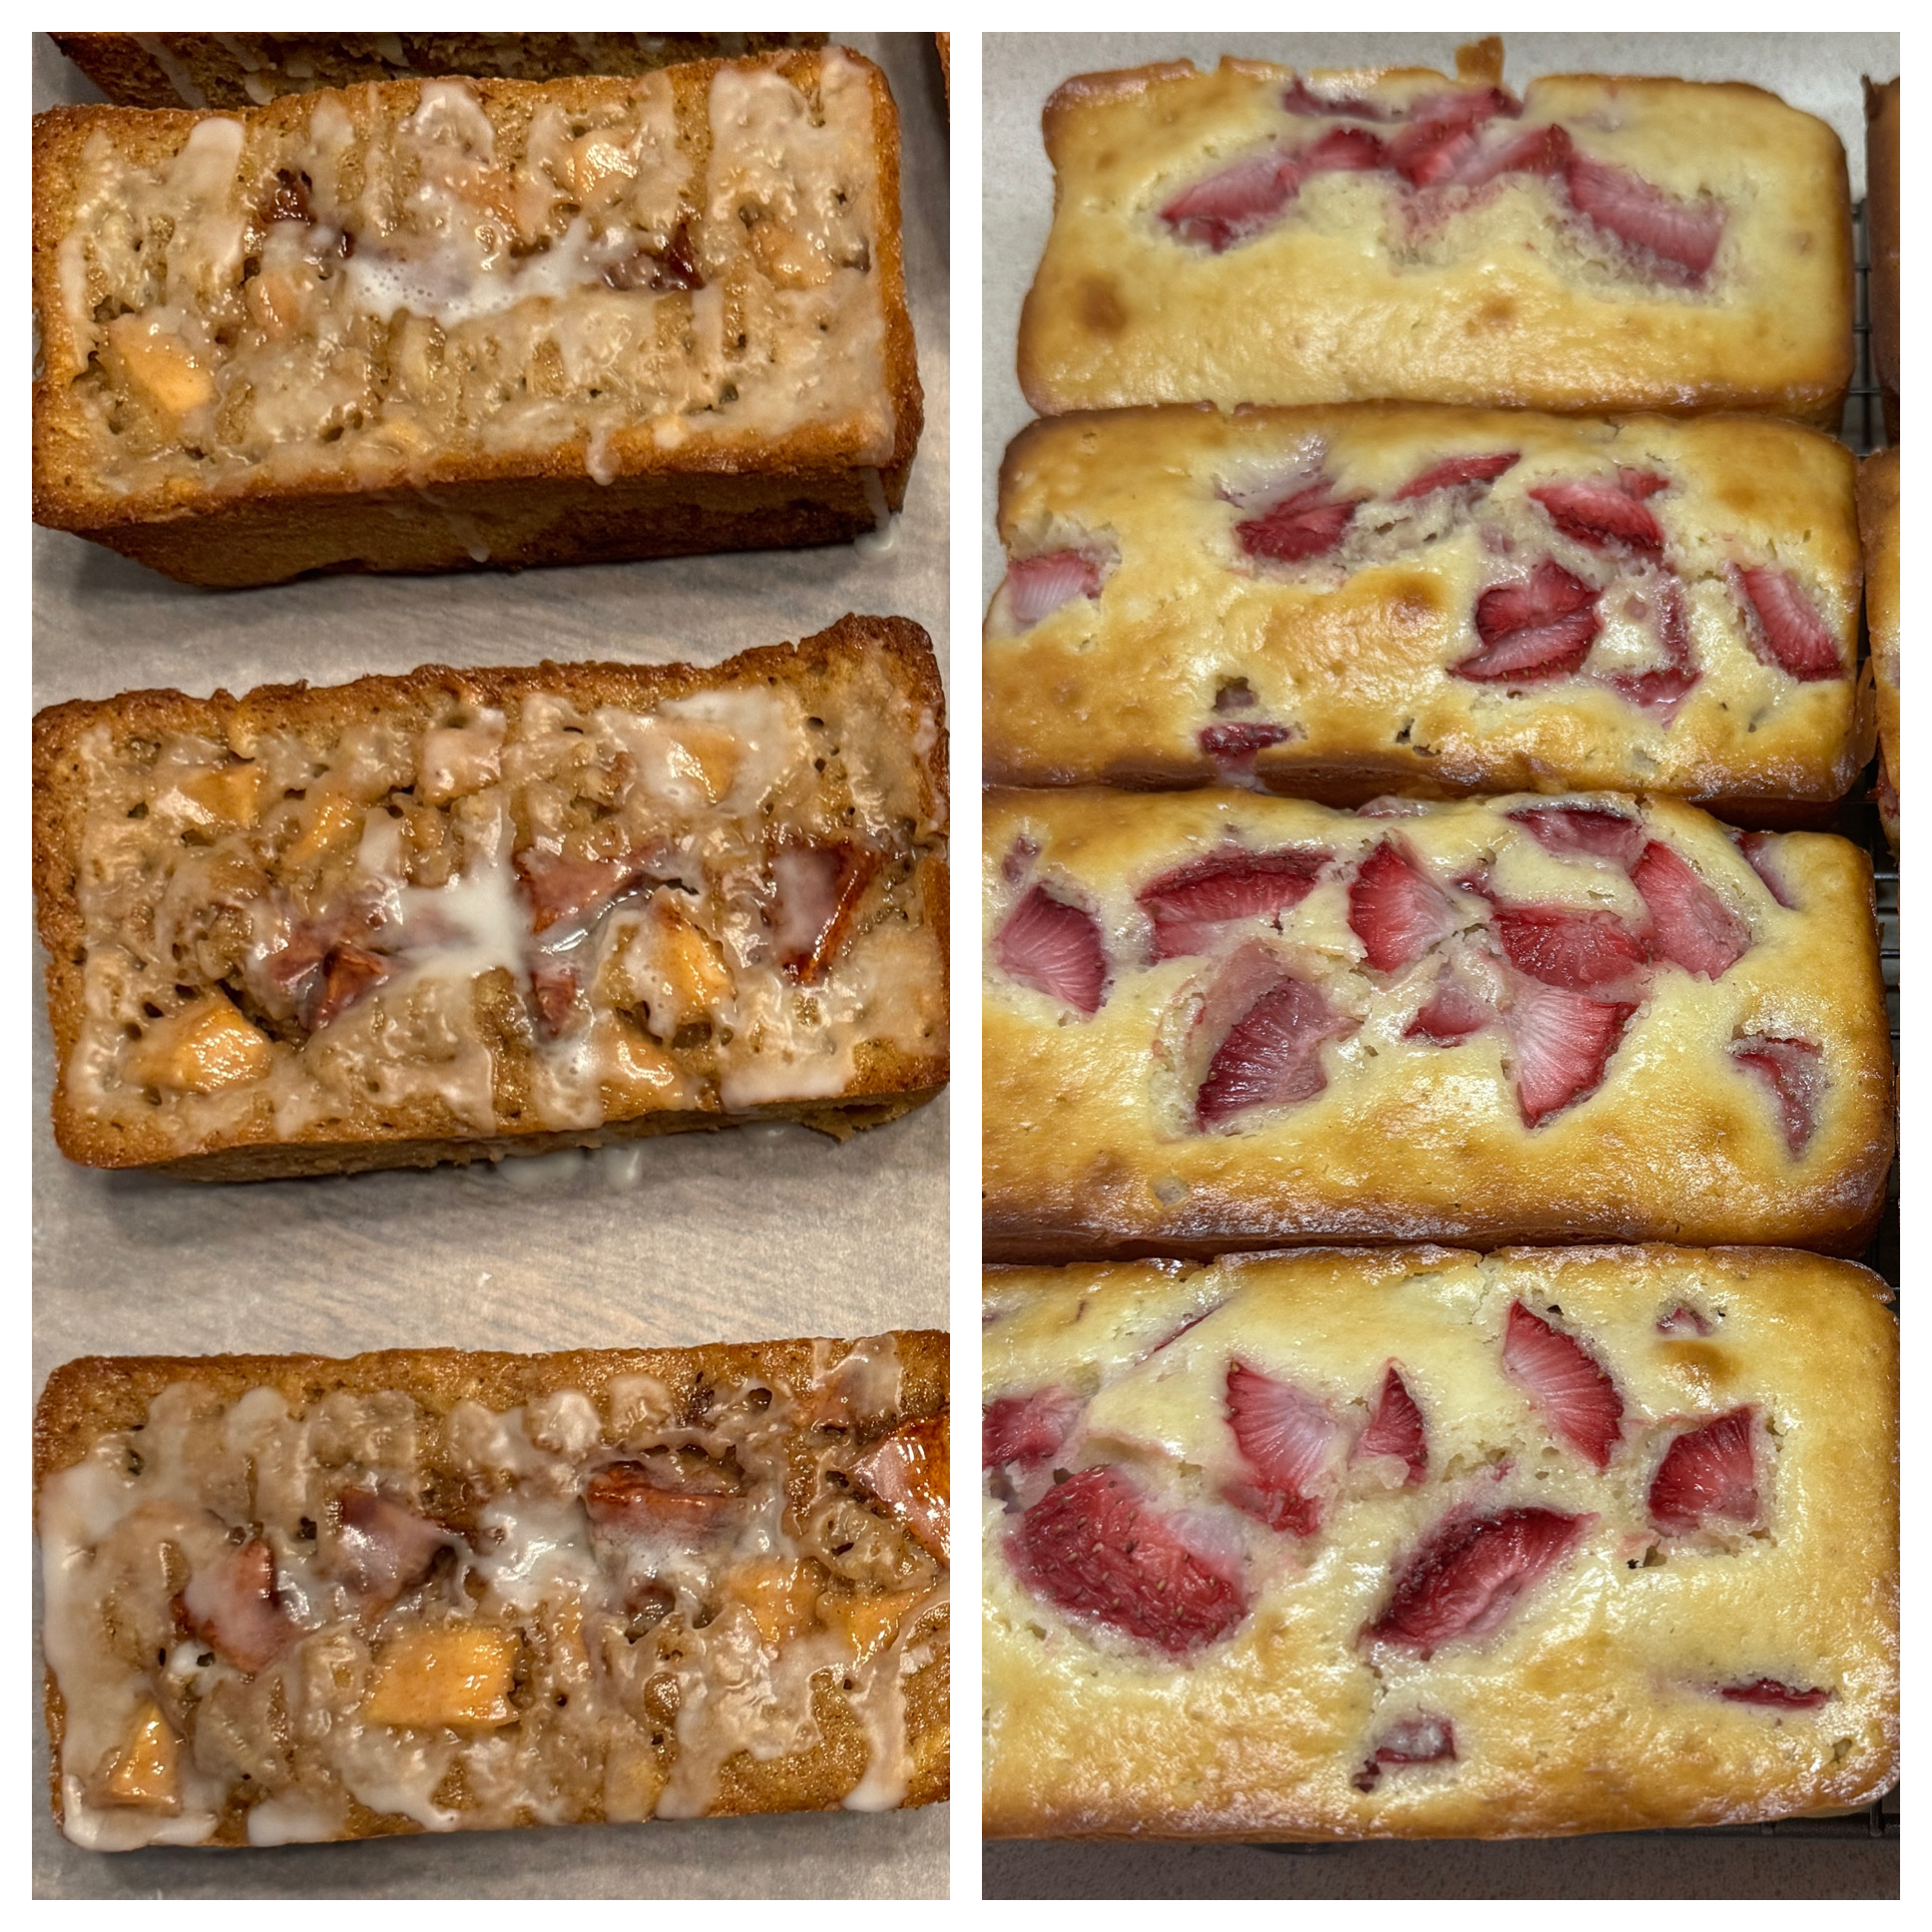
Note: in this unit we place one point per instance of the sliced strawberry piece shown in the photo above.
(1656, 694)
(1397, 1428)
(1092, 1547)
(1682, 1321)
(1422, 1739)
(1530, 631)
(1441, 134)
(910, 1472)
(1190, 904)
(1785, 628)
(1233, 747)
(1583, 831)
(1708, 1471)
(1272, 1054)
(1036, 587)
(1470, 1572)
(1566, 1383)
(1689, 925)
(816, 893)
(1308, 524)
(1581, 952)
(1455, 472)
(1027, 1429)
(1290, 1439)
(1396, 910)
(1549, 594)
(1641, 485)
(231, 1607)
(1560, 1042)
(553, 985)
(1238, 201)
(1452, 1014)
(1601, 515)
(380, 1549)
(1536, 151)
(348, 974)
(1344, 151)
(1774, 1694)
(1760, 851)
(1794, 1071)
(1056, 949)
(1680, 237)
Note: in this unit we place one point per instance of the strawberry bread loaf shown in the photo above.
(427, 324)
(292, 1598)
(459, 914)
(1257, 235)
(1215, 1020)
(1416, 1542)
(1340, 601)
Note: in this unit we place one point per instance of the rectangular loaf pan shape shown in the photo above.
(1251, 235)
(1213, 1020)
(464, 913)
(423, 325)
(1714, 1642)
(1342, 602)
(293, 1599)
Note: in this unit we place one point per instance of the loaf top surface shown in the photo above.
(1251, 235)
(1618, 1549)
(1214, 1019)
(292, 1599)
(421, 282)
(1485, 598)
(495, 902)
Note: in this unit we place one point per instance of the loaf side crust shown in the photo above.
(1878, 513)
(1881, 228)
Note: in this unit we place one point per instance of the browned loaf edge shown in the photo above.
(801, 488)
(1881, 230)
(92, 1395)
(888, 1084)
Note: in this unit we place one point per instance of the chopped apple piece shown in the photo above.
(333, 818)
(230, 797)
(867, 1624)
(147, 1768)
(707, 755)
(204, 1047)
(459, 1676)
(778, 1594)
(160, 367)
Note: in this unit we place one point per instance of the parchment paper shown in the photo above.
(1816, 72)
(747, 1236)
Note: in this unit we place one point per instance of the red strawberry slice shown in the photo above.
(1470, 1572)
(1760, 851)
(1708, 1471)
(1794, 1071)
(1536, 151)
(1538, 628)
(1238, 201)
(1566, 1385)
(1600, 514)
(231, 1607)
(1036, 587)
(1027, 1429)
(1290, 1439)
(1092, 1547)
(1452, 1014)
(1056, 949)
(1774, 1694)
(1442, 134)
(1581, 952)
(1454, 472)
(1424, 1738)
(1397, 1428)
(1783, 627)
(1560, 1042)
(1583, 831)
(1681, 238)
(1344, 151)
(1308, 524)
(1190, 904)
(1657, 694)
(1689, 925)
(1640, 484)
(1682, 1321)
(1272, 1054)
(1396, 910)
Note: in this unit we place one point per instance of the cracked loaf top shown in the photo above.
(290, 1599)
(418, 917)
(1341, 601)
(450, 280)
(1215, 1019)
(1253, 235)
(1428, 1544)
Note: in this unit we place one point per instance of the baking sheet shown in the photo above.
(753, 1235)
(1819, 73)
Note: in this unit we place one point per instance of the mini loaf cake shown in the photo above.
(1424, 1544)
(1878, 520)
(466, 913)
(1338, 602)
(292, 1598)
(1215, 1020)
(1881, 235)
(427, 324)
(1254, 235)
(250, 69)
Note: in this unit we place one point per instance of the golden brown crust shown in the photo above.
(1881, 233)
(886, 1082)
(1119, 316)
(811, 484)
(1592, 1707)
(1878, 513)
